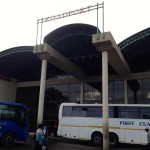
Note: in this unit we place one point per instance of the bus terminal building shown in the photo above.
(74, 71)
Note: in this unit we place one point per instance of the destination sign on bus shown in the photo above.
(129, 123)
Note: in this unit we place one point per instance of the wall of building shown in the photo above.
(8, 90)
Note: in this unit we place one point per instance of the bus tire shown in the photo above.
(97, 139)
(113, 139)
(8, 139)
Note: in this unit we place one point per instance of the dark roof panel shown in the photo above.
(74, 41)
(136, 50)
(21, 63)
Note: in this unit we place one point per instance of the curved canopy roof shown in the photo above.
(74, 41)
(136, 50)
(22, 64)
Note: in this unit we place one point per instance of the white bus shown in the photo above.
(84, 121)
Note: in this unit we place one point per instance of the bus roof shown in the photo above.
(12, 103)
(96, 104)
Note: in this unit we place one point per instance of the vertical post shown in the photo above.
(125, 92)
(42, 91)
(82, 93)
(37, 32)
(103, 17)
(105, 99)
(41, 31)
(97, 19)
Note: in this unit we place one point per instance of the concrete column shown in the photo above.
(105, 100)
(82, 93)
(125, 92)
(42, 91)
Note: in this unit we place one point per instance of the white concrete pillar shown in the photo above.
(42, 91)
(105, 100)
(125, 92)
(82, 93)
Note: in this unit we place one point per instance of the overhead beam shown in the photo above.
(60, 61)
(105, 41)
(132, 76)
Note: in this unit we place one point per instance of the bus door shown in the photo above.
(132, 132)
(143, 132)
(129, 124)
(144, 122)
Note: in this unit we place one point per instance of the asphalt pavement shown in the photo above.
(57, 143)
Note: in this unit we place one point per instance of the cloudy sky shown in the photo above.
(18, 18)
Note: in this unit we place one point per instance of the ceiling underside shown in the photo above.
(74, 41)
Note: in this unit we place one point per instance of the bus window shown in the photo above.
(67, 111)
(111, 112)
(116, 115)
(129, 112)
(144, 113)
(79, 111)
(94, 112)
(7, 113)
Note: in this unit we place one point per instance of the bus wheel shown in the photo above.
(97, 139)
(113, 139)
(7, 139)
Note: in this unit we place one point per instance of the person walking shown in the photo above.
(148, 138)
(40, 138)
(45, 130)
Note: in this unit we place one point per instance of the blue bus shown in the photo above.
(13, 123)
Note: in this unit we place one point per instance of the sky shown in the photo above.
(18, 25)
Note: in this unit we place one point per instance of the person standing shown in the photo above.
(148, 138)
(40, 138)
(45, 130)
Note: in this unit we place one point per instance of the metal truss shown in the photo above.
(16, 50)
(134, 38)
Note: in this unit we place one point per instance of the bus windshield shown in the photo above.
(13, 113)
